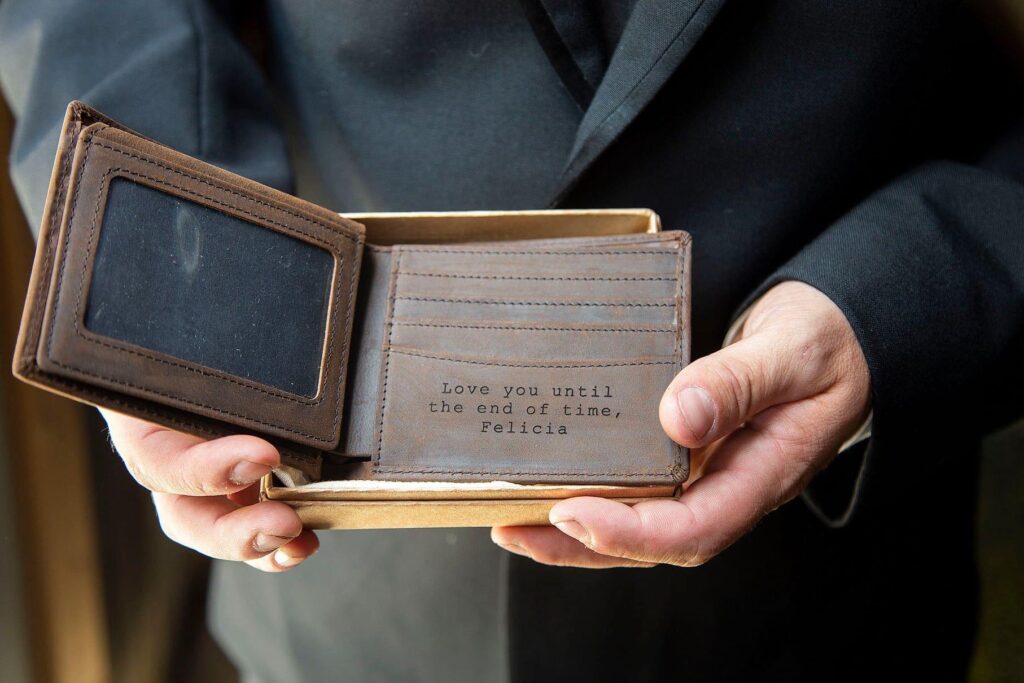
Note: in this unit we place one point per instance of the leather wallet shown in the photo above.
(175, 291)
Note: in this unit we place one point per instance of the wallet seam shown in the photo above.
(540, 278)
(546, 252)
(680, 293)
(199, 179)
(624, 240)
(536, 328)
(510, 302)
(52, 234)
(183, 366)
(523, 364)
(390, 320)
(89, 142)
(198, 370)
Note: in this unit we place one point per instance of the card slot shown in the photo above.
(524, 420)
(573, 310)
(657, 258)
(626, 285)
(505, 340)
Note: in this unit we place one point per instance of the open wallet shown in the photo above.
(471, 350)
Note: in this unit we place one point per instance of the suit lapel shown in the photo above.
(567, 31)
(658, 35)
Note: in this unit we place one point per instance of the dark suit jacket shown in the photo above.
(871, 148)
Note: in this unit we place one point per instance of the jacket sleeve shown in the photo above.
(171, 69)
(929, 270)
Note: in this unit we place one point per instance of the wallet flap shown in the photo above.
(189, 287)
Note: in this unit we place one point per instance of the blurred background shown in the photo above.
(91, 590)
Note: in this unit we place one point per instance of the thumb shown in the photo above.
(717, 393)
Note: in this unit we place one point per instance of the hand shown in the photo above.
(206, 493)
(762, 416)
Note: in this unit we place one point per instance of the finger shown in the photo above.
(717, 393)
(548, 545)
(167, 461)
(219, 528)
(290, 555)
(247, 496)
(750, 474)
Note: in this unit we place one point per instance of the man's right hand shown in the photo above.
(206, 493)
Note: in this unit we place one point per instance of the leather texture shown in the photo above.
(234, 308)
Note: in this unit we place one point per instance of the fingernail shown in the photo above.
(265, 543)
(248, 472)
(515, 549)
(570, 527)
(283, 559)
(697, 410)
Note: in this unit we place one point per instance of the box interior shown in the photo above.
(490, 226)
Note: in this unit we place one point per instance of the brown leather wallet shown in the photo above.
(172, 290)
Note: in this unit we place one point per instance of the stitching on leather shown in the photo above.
(547, 252)
(107, 400)
(446, 300)
(263, 219)
(387, 355)
(639, 239)
(346, 343)
(419, 470)
(196, 404)
(56, 212)
(627, 240)
(535, 328)
(382, 468)
(411, 352)
(183, 366)
(536, 473)
(527, 277)
(60, 280)
(309, 219)
(679, 330)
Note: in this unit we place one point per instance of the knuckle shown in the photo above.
(814, 362)
(196, 485)
(736, 378)
(180, 479)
